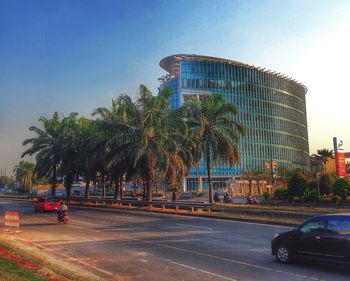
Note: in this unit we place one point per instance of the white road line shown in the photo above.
(191, 225)
(68, 257)
(225, 259)
(204, 254)
(203, 271)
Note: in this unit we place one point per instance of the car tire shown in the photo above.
(41, 210)
(283, 254)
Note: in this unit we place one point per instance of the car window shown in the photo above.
(51, 200)
(339, 226)
(42, 200)
(313, 227)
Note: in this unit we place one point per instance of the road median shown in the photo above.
(21, 260)
(278, 215)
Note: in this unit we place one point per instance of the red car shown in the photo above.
(46, 204)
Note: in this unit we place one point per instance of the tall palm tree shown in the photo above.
(118, 151)
(212, 121)
(47, 147)
(325, 154)
(144, 128)
(182, 153)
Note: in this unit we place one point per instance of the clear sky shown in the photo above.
(76, 55)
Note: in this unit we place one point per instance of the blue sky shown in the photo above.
(76, 55)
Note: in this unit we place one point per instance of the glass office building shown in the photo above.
(271, 106)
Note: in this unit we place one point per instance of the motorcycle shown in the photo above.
(62, 216)
(251, 199)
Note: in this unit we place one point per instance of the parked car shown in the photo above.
(46, 204)
(324, 237)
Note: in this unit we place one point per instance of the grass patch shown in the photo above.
(20, 254)
(11, 272)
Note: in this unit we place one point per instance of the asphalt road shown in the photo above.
(135, 245)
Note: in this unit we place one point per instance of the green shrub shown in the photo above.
(297, 184)
(326, 183)
(311, 195)
(281, 193)
(340, 187)
(110, 193)
(266, 195)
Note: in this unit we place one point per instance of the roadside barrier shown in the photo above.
(11, 220)
(163, 205)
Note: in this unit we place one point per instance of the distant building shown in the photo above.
(271, 106)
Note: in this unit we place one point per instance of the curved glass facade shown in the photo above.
(271, 107)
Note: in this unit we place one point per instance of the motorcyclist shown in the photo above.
(216, 197)
(227, 198)
(62, 212)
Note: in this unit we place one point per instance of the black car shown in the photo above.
(322, 237)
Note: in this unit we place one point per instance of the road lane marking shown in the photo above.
(203, 271)
(69, 257)
(225, 259)
(212, 256)
(191, 225)
(208, 255)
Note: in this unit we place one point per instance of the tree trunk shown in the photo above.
(148, 188)
(87, 184)
(116, 188)
(156, 184)
(121, 187)
(209, 178)
(150, 176)
(144, 189)
(174, 194)
(68, 184)
(103, 183)
(54, 181)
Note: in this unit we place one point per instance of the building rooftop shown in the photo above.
(171, 64)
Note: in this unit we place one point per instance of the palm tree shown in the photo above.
(212, 122)
(85, 158)
(182, 154)
(117, 150)
(144, 128)
(47, 147)
(24, 172)
(250, 175)
(325, 154)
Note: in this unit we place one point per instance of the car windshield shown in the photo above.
(51, 200)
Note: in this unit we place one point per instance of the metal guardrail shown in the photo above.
(161, 204)
(164, 204)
